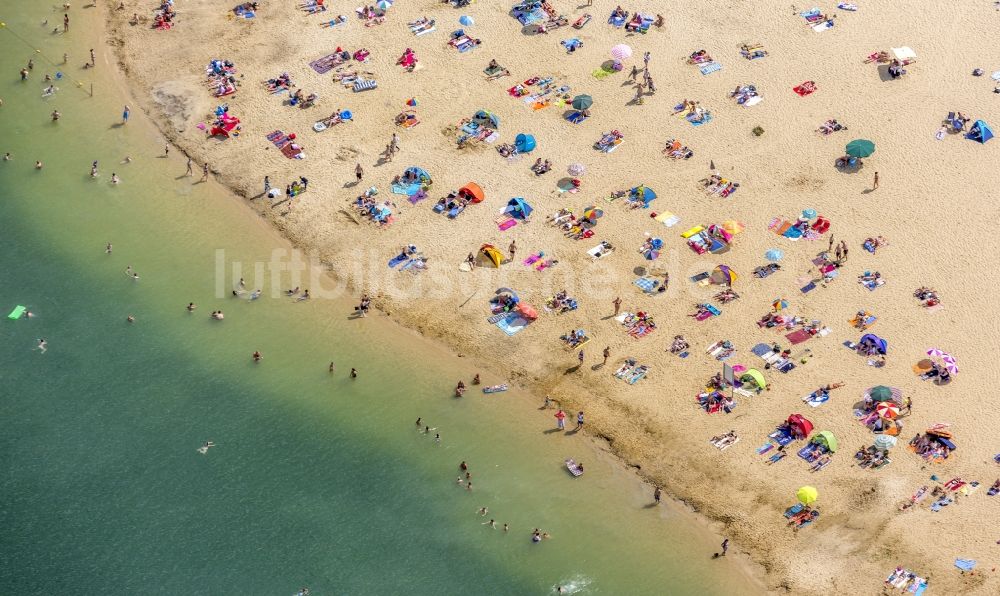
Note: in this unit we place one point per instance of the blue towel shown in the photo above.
(705, 120)
(713, 310)
(808, 288)
(965, 564)
(761, 349)
(646, 284)
(512, 323)
(406, 189)
(397, 260)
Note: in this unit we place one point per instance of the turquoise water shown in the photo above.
(316, 479)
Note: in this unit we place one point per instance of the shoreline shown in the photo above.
(748, 561)
(620, 426)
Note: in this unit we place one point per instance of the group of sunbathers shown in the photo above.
(927, 296)
(713, 401)
(639, 324)
(561, 302)
(928, 447)
(717, 185)
(312, 6)
(765, 270)
(675, 150)
(575, 338)
(279, 83)
(744, 92)
(721, 442)
(609, 140)
(370, 208)
(830, 126)
(752, 51)
(540, 167)
(164, 17)
(873, 244)
(222, 77)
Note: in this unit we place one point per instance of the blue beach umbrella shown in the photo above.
(466, 20)
(774, 255)
(809, 213)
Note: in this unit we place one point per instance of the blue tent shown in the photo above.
(980, 131)
(518, 208)
(485, 118)
(417, 173)
(880, 344)
(647, 195)
(524, 143)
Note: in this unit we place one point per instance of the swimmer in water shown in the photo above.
(38, 165)
(204, 448)
(255, 294)
(475, 379)
(304, 296)
(437, 438)
(135, 276)
(492, 523)
(257, 356)
(332, 367)
(6, 156)
(127, 159)
(243, 284)
(130, 319)
(128, 271)
(354, 373)
(459, 481)
(55, 115)
(93, 169)
(463, 466)
(483, 511)
(217, 315)
(114, 178)
(292, 292)
(506, 527)
(191, 306)
(419, 420)
(108, 248)
(42, 345)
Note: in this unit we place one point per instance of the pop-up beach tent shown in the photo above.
(492, 254)
(518, 208)
(877, 342)
(826, 439)
(799, 425)
(472, 192)
(980, 131)
(524, 143)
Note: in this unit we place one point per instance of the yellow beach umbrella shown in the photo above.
(807, 495)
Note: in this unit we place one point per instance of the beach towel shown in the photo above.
(756, 99)
(291, 152)
(820, 27)
(364, 85)
(506, 224)
(406, 189)
(668, 219)
(965, 564)
(326, 63)
(646, 284)
(705, 119)
(396, 260)
(816, 400)
(601, 73)
(511, 323)
(710, 68)
(808, 288)
(797, 337)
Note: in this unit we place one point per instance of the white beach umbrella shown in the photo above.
(621, 52)
(576, 169)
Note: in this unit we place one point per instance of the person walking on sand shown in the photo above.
(93, 59)
(725, 547)
(843, 245)
(359, 172)
(657, 495)
(607, 353)
(561, 419)
(580, 357)
(190, 171)
(634, 73)
(166, 150)
(830, 247)
(875, 182)
(204, 172)
(579, 420)
(512, 249)
(645, 60)
(125, 114)
(267, 185)
(618, 303)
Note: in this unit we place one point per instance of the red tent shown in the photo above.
(800, 426)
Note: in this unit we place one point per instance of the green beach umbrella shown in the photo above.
(860, 148)
(582, 102)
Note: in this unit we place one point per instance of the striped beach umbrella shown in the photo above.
(884, 442)
(779, 304)
(621, 52)
(949, 364)
(887, 409)
(936, 353)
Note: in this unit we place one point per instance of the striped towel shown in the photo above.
(364, 85)
(646, 284)
(710, 68)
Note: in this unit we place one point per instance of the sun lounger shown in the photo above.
(364, 85)
(710, 68)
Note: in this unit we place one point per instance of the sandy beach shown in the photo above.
(931, 205)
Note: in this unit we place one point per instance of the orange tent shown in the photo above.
(473, 192)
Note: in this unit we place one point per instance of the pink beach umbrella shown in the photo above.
(950, 364)
(621, 52)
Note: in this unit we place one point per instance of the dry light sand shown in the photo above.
(936, 205)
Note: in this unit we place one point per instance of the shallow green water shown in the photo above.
(316, 479)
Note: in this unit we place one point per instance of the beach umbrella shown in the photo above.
(593, 212)
(887, 409)
(723, 275)
(466, 20)
(808, 213)
(860, 148)
(576, 169)
(936, 353)
(774, 254)
(582, 102)
(807, 495)
(884, 442)
(779, 304)
(383, 5)
(950, 364)
(412, 102)
(621, 52)
(883, 393)
(528, 311)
